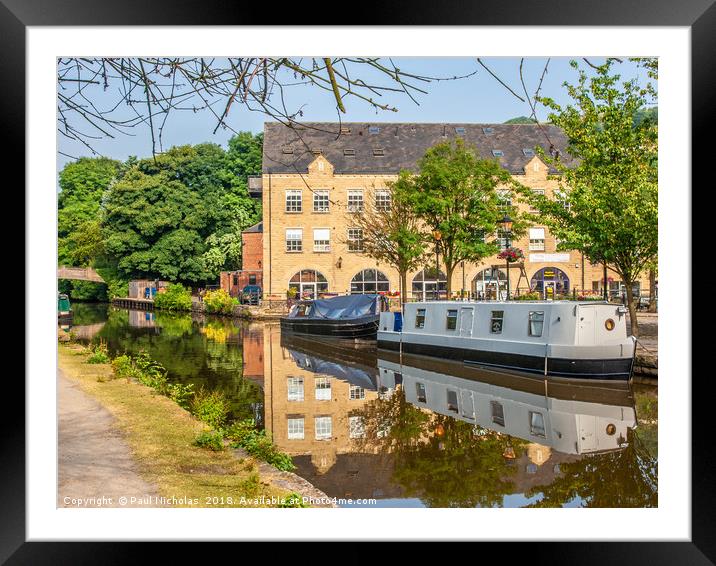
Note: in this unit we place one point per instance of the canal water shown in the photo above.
(389, 432)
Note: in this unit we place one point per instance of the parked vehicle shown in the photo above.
(563, 339)
(251, 295)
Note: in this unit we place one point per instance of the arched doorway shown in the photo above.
(369, 281)
(308, 284)
(490, 284)
(550, 282)
(429, 284)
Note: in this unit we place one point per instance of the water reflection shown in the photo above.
(411, 431)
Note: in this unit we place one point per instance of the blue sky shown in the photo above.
(479, 98)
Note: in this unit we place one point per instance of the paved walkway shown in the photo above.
(95, 466)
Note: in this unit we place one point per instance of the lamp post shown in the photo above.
(438, 236)
(506, 224)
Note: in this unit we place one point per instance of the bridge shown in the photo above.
(79, 274)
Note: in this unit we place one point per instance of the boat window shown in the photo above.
(420, 389)
(498, 413)
(496, 322)
(420, 319)
(536, 323)
(537, 424)
(452, 400)
(452, 319)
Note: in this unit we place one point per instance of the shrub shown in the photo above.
(175, 298)
(534, 296)
(99, 354)
(212, 407)
(219, 302)
(293, 499)
(210, 439)
(244, 434)
(181, 394)
(123, 366)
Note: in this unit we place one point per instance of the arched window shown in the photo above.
(550, 282)
(308, 284)
(369, 281)
(429, 284)
(490, 284)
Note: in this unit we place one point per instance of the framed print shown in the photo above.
(233, 337)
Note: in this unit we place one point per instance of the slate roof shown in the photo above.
(255, 228)
(402, 144)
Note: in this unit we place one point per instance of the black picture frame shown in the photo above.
(698, 15)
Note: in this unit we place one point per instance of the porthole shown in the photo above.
(609, 324)
(611, 429)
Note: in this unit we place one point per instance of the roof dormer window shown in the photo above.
(528, 152)
(378, 152)
(487, 131)
(460, 131)
(349, 152)
(498, 153)
(373, 130)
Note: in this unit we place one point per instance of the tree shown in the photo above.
(179, 215)
(456, 195)
(521, 120)
(607, 206)
(82, 184)
(391, 234)
(149, 89)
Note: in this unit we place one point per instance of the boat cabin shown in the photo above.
(559, 338)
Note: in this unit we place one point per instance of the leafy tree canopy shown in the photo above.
(461, 197)
(521, 120)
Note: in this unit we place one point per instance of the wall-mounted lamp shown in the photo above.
(339, 262)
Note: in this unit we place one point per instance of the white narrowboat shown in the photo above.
(571, 419)
(562, 339)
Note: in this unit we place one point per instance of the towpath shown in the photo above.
(95, 465)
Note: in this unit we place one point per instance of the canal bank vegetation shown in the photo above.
(175, 298)
(163, 436)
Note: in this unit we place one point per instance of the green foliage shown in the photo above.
(211, 407)
(456, 194)
(210, 439)
(531, 296)
(219, 302)
(521, 120)
(608, 207)
(244, 434)
(123, 366)
(181, 394)
(175, 298)
(179, 217)
(85, 290)
(82, 184)
(99, 353)
(293, 499)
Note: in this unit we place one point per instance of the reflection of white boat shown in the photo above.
(553, 338)
(572, 419)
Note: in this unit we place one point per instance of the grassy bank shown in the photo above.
(162, 436)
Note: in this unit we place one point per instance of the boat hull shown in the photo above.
(365, 328)
(597, 369)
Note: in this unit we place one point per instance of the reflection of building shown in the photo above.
(570, 419)
(315, 178)
(309, 399)
(142, 319)
(252, 337)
